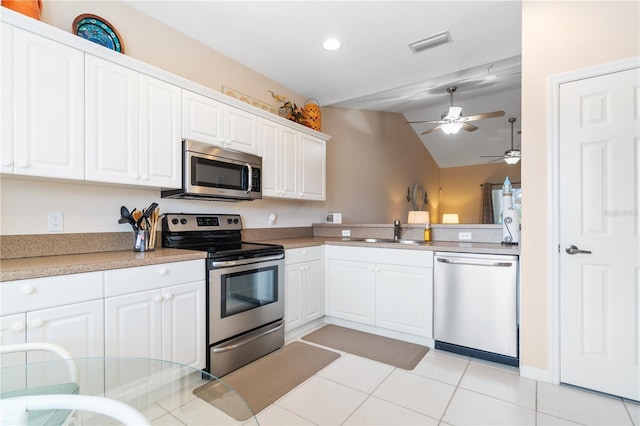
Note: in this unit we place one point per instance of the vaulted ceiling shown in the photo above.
(375, 69)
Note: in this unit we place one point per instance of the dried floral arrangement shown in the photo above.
(290, 110)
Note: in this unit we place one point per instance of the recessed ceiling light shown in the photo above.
(332, 44)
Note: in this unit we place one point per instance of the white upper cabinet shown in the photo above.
(6, 99)
(160, 141)
(45, 105)
(133, 127)
(202, 119)
(312, 168)
(209, 121)
(280, 160)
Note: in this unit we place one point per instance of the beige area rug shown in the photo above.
(265, 380)
(378, 348)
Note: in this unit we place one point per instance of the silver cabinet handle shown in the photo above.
(251, 339)
(473, 263)
(575, 250)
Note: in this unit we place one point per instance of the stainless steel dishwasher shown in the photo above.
(476, 305)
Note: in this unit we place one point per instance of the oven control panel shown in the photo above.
(185, 222)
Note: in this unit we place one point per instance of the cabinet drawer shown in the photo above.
(40, 293)
(302, 254)
(140, 278)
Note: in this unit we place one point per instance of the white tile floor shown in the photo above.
(443, 389)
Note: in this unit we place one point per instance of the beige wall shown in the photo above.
(372, 159)
(460, 190)
(556, 37)
(388, 155)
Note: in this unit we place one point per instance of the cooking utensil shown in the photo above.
(138, 217)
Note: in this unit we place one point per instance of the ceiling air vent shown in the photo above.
(429, 42)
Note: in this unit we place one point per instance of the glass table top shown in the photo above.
(164, 392)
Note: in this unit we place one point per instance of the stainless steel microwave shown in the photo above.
(213, 173)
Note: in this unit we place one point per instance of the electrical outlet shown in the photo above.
(346, 232)
(55, 221)
(464, 235)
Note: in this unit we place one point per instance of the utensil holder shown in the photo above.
(141, 241)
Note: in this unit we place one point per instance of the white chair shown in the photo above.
(56, 404)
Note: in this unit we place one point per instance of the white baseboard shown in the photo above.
(536, 374)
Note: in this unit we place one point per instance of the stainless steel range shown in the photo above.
(245, 287)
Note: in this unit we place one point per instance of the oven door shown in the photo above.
(244, 297)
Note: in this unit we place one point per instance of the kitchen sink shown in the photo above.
(387, 240)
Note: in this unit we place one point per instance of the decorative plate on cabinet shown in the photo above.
(98, 30)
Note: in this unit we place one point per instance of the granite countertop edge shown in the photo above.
(47, 266)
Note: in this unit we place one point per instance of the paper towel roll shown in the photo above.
(510, 227)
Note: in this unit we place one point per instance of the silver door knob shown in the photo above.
(575, 250)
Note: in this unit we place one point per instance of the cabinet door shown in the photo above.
(313, 303)
(48, 100)
(352, 291)
(183, 329)
(6, 98)
(202, 119)
(13, 331)
(133, 325)
(269, 140)
(312, 168)
(78, 328)
(241, 130)
(404, 299)
(289, 162)
(160, 143)
(112, 119)
(293, 296)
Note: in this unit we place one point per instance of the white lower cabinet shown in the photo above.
(387, 288)
(66, 310)
(303, 286)
(164, 321)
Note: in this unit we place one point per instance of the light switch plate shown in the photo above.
(346, 232)
(464, 235)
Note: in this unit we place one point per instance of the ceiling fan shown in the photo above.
(452, 121)
(511, 156)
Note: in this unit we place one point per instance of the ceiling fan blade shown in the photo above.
(492, 156)
(468, 127)
(433, 122)
(497, 159)
(430, 130)
(483, 116)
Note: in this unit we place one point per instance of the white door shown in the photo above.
(599, 196)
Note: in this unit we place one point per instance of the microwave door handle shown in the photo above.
(250, 178)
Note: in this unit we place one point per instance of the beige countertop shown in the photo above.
(482, 248)
(45, 266)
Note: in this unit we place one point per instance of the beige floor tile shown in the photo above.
(199, 412)
(375, 411)
(444, 368)
(166, 420)
(421, 394)
(278, 416)
(500, 384)
(634, 411)
(581, 406)
(322, 401)
(359, 373)
(543, 419)
(470, 408)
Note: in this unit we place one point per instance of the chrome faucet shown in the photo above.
(396, 229)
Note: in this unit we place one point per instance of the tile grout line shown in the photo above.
(454, 392)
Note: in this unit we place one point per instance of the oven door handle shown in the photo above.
(244, 342)
(229, 263)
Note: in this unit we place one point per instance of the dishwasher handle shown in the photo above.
(474, 262)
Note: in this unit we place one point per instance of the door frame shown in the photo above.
(553, 159)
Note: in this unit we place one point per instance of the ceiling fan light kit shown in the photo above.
(452, 120)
